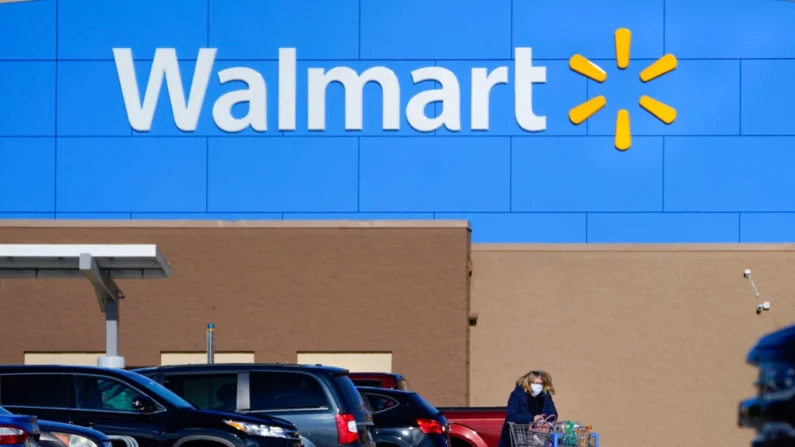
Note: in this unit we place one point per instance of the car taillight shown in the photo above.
(347, 432)
(12, 435)
(430, 426)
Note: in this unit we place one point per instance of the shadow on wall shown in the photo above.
(648, 344)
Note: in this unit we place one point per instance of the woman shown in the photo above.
(529, 402)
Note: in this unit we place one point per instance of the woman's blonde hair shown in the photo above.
(527, 379)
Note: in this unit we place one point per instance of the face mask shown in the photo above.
(536, 388)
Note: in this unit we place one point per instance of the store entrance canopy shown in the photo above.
(101, 264)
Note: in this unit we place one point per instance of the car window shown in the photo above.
(100, 393)
(156, 389)
(285, 391)
(208, 391)
(367, 382)
(423, 404)
(410, 405)
(352, 398)
(33, 390)
(379, 403)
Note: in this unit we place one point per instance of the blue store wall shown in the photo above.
(723, 172)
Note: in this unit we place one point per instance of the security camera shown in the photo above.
(762, 307)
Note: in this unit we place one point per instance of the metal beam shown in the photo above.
(104, 287)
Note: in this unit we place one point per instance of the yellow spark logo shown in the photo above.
(661, 111)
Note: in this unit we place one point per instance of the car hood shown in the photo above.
(52, 426)
(252, 418)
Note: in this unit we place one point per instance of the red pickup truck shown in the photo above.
(469, 426)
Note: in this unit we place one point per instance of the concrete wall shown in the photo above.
(273, 289)
(720, 173)
(647, 343)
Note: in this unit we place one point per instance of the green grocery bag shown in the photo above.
(573, 434)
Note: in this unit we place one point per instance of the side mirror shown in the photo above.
(144, 404)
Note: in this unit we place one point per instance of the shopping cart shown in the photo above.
(548, 434)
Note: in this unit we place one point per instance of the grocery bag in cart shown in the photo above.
(573, 434)
(537, 434)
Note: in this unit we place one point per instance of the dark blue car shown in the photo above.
(56, 434)
(405, 419)
(17, 430)
(130, 407)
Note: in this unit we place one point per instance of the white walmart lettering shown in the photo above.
(186, 112)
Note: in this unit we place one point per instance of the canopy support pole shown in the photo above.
(108, 296)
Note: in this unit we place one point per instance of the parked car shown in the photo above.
(381, 380)
(405, 419)
(469, 426)
(57, 434)
(123, 403)
(17, 430)
(771, 413)
(321, 401)
(475, 426)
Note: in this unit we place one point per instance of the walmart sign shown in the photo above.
(186, 111)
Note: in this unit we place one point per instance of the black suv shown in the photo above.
(321, 401)
(122, 403)
(405, 419)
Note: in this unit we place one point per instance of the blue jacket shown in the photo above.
(519, 412)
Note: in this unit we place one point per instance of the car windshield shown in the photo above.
(161, 391)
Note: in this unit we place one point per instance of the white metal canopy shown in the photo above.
(99, 263)
(127, 261)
